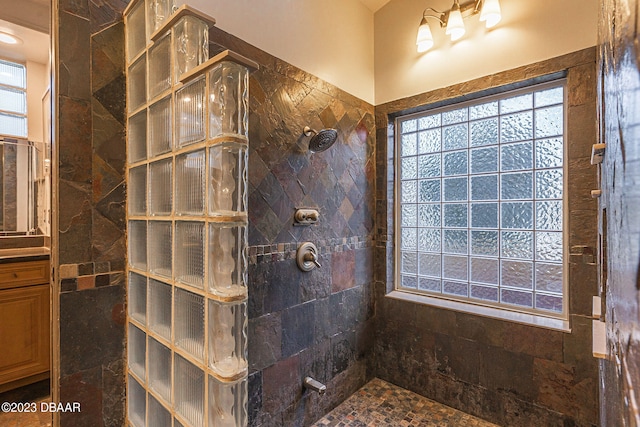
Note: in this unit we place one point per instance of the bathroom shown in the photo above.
(339, 323)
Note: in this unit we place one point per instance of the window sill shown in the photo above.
(484, 311)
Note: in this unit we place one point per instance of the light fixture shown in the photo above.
(7, 38)
(453, 20)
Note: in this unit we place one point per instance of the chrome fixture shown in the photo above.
(307, 257)
(314, 385)
(322, 140)
(452, 20)
(306, 216)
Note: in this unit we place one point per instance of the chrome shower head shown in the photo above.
(322, 140)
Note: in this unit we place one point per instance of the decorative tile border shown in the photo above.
(88, 275)
(283, 251)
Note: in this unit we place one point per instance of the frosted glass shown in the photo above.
(516, 156)
(516, 103)
(549, 122)
(429, 141)
(455, 288)
(137, 234)
(430, 240)
(137, 304)
(191, 169)
(409, 263)
(137, 84)
(549, 153)
(549, 97)
(409, 126)
(12, 74)
(158, 415)
(160, 185)
(517, 185)
(157, 13)
(516, 127)
(430, 264)
(189, 253)
(549, 184)
(429, 191)
(484, 187)
(137, 191)
(549, 215)
(483, 110)
(227, 259)
(137, 406)
(484, 270)
(227, 403)
(160, 308)
(13, 100)
(517, 215)
(549, 246)
(160, 127)
(135, 31)
(454, 116)
(137, 137)
(410, 282)
(160, 369)
(429, 121)
(409, 191)
(228, 339)
(549, 302)
(484, 215)
(409, 239)
(455, 189)
(429, 215)
(190, 113)
(455, 241)
(484, 243)
(228, 179)
(409, 168)
(160, 248)
(455, 215)
(190, 44)
(409, 216)
(409, 145)
(137, 351)
(484, 132)
(13, 125)
(189, 391)
(228, 100)
(429, 284)
(189, 322)
(484, 160)
(455, 136)
(160, 66)
(549, 277)
(429, 165)
(517, 244)
(456, 163)
(524, 299)
(485, 293)
(517, 274)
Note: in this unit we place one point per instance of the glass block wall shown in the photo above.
(187, 221)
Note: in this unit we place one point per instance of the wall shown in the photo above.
(317, 324)
(89, 218)
(508, 373)
(530, 31)
(331, 39)
(618, 98)
(37, 83)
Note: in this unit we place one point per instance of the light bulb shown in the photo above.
(455, 26)
(8, 38)
(424, 41)
(490, 13)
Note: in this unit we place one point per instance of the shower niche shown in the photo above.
(187, 145)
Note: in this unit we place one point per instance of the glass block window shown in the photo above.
(479, 201)
(13, 99)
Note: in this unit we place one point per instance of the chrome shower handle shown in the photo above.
(307, 257)
(311, 256)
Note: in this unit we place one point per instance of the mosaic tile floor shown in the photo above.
(381, 404)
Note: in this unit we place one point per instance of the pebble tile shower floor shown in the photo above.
(381, 404)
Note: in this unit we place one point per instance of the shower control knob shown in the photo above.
(307, 257)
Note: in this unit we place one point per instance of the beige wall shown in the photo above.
(530, 31)
(37, 81)
(332, 39)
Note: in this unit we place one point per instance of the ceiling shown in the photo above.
(34, 46)
(374, 5)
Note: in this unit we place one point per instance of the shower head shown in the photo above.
(322, 140)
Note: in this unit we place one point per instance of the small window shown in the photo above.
(13, 99)
(479, 205)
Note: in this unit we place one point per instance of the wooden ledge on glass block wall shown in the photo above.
(231, 379)
(184, 10)
(228, 139)
(227, 55)
(226, 299)
(239, 218)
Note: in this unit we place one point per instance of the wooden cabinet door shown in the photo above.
(24, 332)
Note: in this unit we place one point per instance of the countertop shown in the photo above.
(24, 254)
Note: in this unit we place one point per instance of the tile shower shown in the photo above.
(187, 221)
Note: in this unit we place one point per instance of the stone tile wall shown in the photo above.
(89, 239)
(319, 323)
(619, 206)
(507, 373)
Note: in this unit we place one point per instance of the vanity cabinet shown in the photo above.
(24, 323)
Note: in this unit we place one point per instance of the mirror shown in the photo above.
(25, 123)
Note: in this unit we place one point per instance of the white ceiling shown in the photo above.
(374, 5)
(34, 46)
